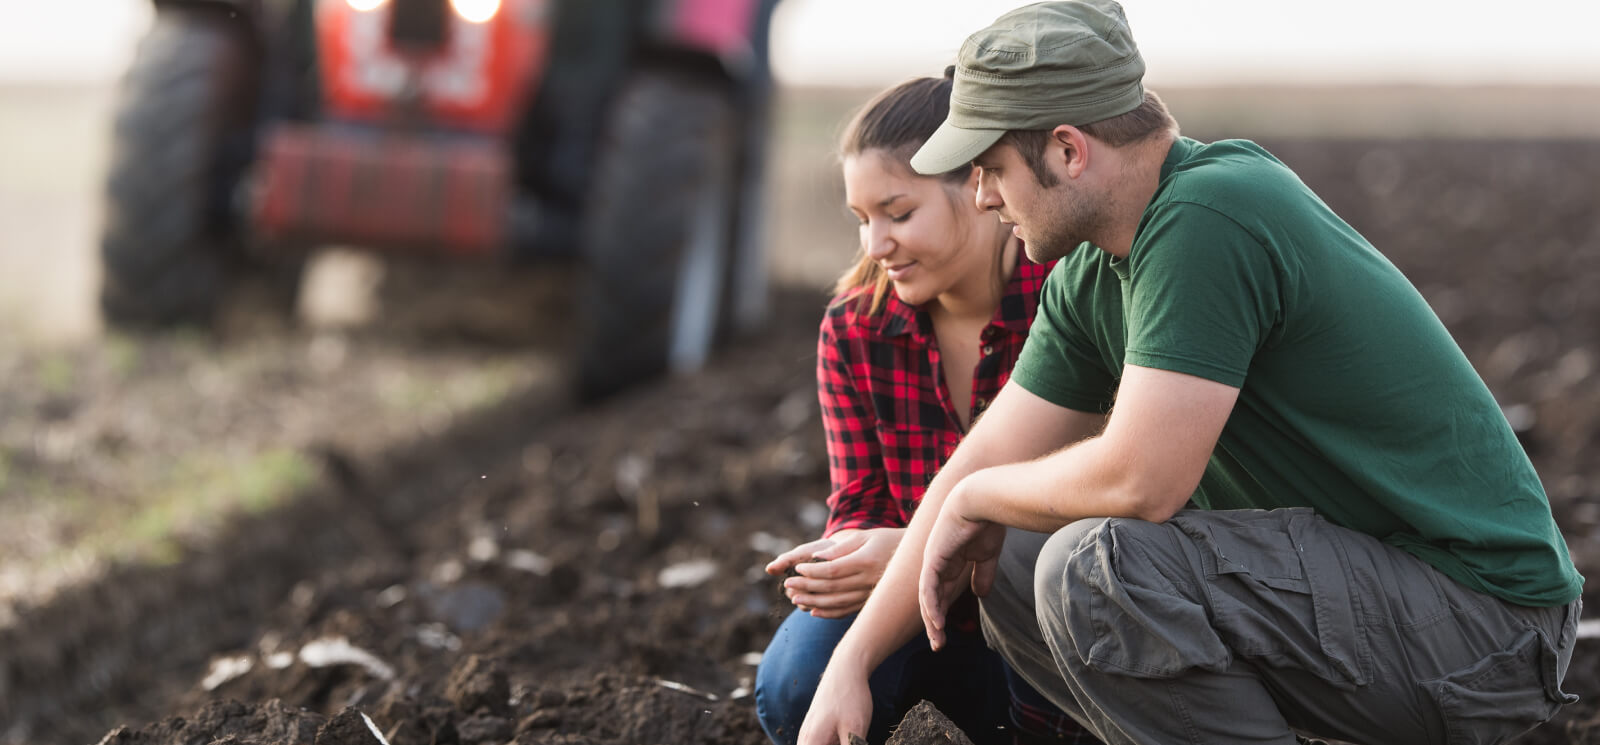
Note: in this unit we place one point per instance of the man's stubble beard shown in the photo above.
(1069, 218)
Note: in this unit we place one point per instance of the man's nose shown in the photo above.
(988, 196)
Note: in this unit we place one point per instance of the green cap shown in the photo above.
(1036, 67)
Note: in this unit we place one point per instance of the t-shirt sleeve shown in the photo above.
(1203, 295)
(1059, 362)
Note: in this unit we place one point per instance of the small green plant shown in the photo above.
(201, 492)
(123, 354)
(57, 375)
(264, 482)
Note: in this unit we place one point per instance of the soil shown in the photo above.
(536, 573)
(107, 450)
(924, 724)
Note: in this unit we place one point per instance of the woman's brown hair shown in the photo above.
(897, 122)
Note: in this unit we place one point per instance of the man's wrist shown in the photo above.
(962, 502)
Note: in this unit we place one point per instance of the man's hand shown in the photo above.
(841, 707)
(957, 547)
(837, 574)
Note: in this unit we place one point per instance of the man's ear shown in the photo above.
(1070, 148)
(968, 189)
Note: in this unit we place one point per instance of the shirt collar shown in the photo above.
(898, 316)
(1181, 149)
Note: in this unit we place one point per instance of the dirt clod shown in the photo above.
(484, 728)
(268, 723)
(926, 725)
(479, 685)
(348, 727)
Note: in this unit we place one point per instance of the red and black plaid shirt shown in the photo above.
(890, 421)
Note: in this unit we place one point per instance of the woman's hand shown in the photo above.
(837, 573)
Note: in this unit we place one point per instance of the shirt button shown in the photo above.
(982, 402)
(988, 349)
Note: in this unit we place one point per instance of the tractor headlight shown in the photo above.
(473, 11)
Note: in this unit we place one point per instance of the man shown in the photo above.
(1305, 514)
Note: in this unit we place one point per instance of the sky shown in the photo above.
(874, 42)
(1225, 41)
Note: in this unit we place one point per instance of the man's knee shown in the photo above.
(1069, 553)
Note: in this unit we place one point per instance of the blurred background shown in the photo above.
(1234, 67)
(1462, 138)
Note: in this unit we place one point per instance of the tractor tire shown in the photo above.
(657, 229)
(181, 140)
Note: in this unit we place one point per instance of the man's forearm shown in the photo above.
(1087, 479)
(1145, 464)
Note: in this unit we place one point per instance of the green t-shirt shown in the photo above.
(1354, 399)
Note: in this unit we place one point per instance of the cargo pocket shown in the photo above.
(1271, 602)
(1500, 696)
(1125, 615)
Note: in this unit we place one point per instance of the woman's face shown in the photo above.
(926, 233)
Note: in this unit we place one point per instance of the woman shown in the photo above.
(922, 334)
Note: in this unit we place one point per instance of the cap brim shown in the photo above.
(951, 147)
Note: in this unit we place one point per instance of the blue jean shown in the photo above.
(966, 681)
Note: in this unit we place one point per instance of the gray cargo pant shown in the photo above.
(1250, 626)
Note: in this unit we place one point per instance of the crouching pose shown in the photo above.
(921, 336)
(1242, 485)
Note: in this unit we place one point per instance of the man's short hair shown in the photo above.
(1151, 119)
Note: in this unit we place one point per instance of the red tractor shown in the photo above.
(625, 134)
